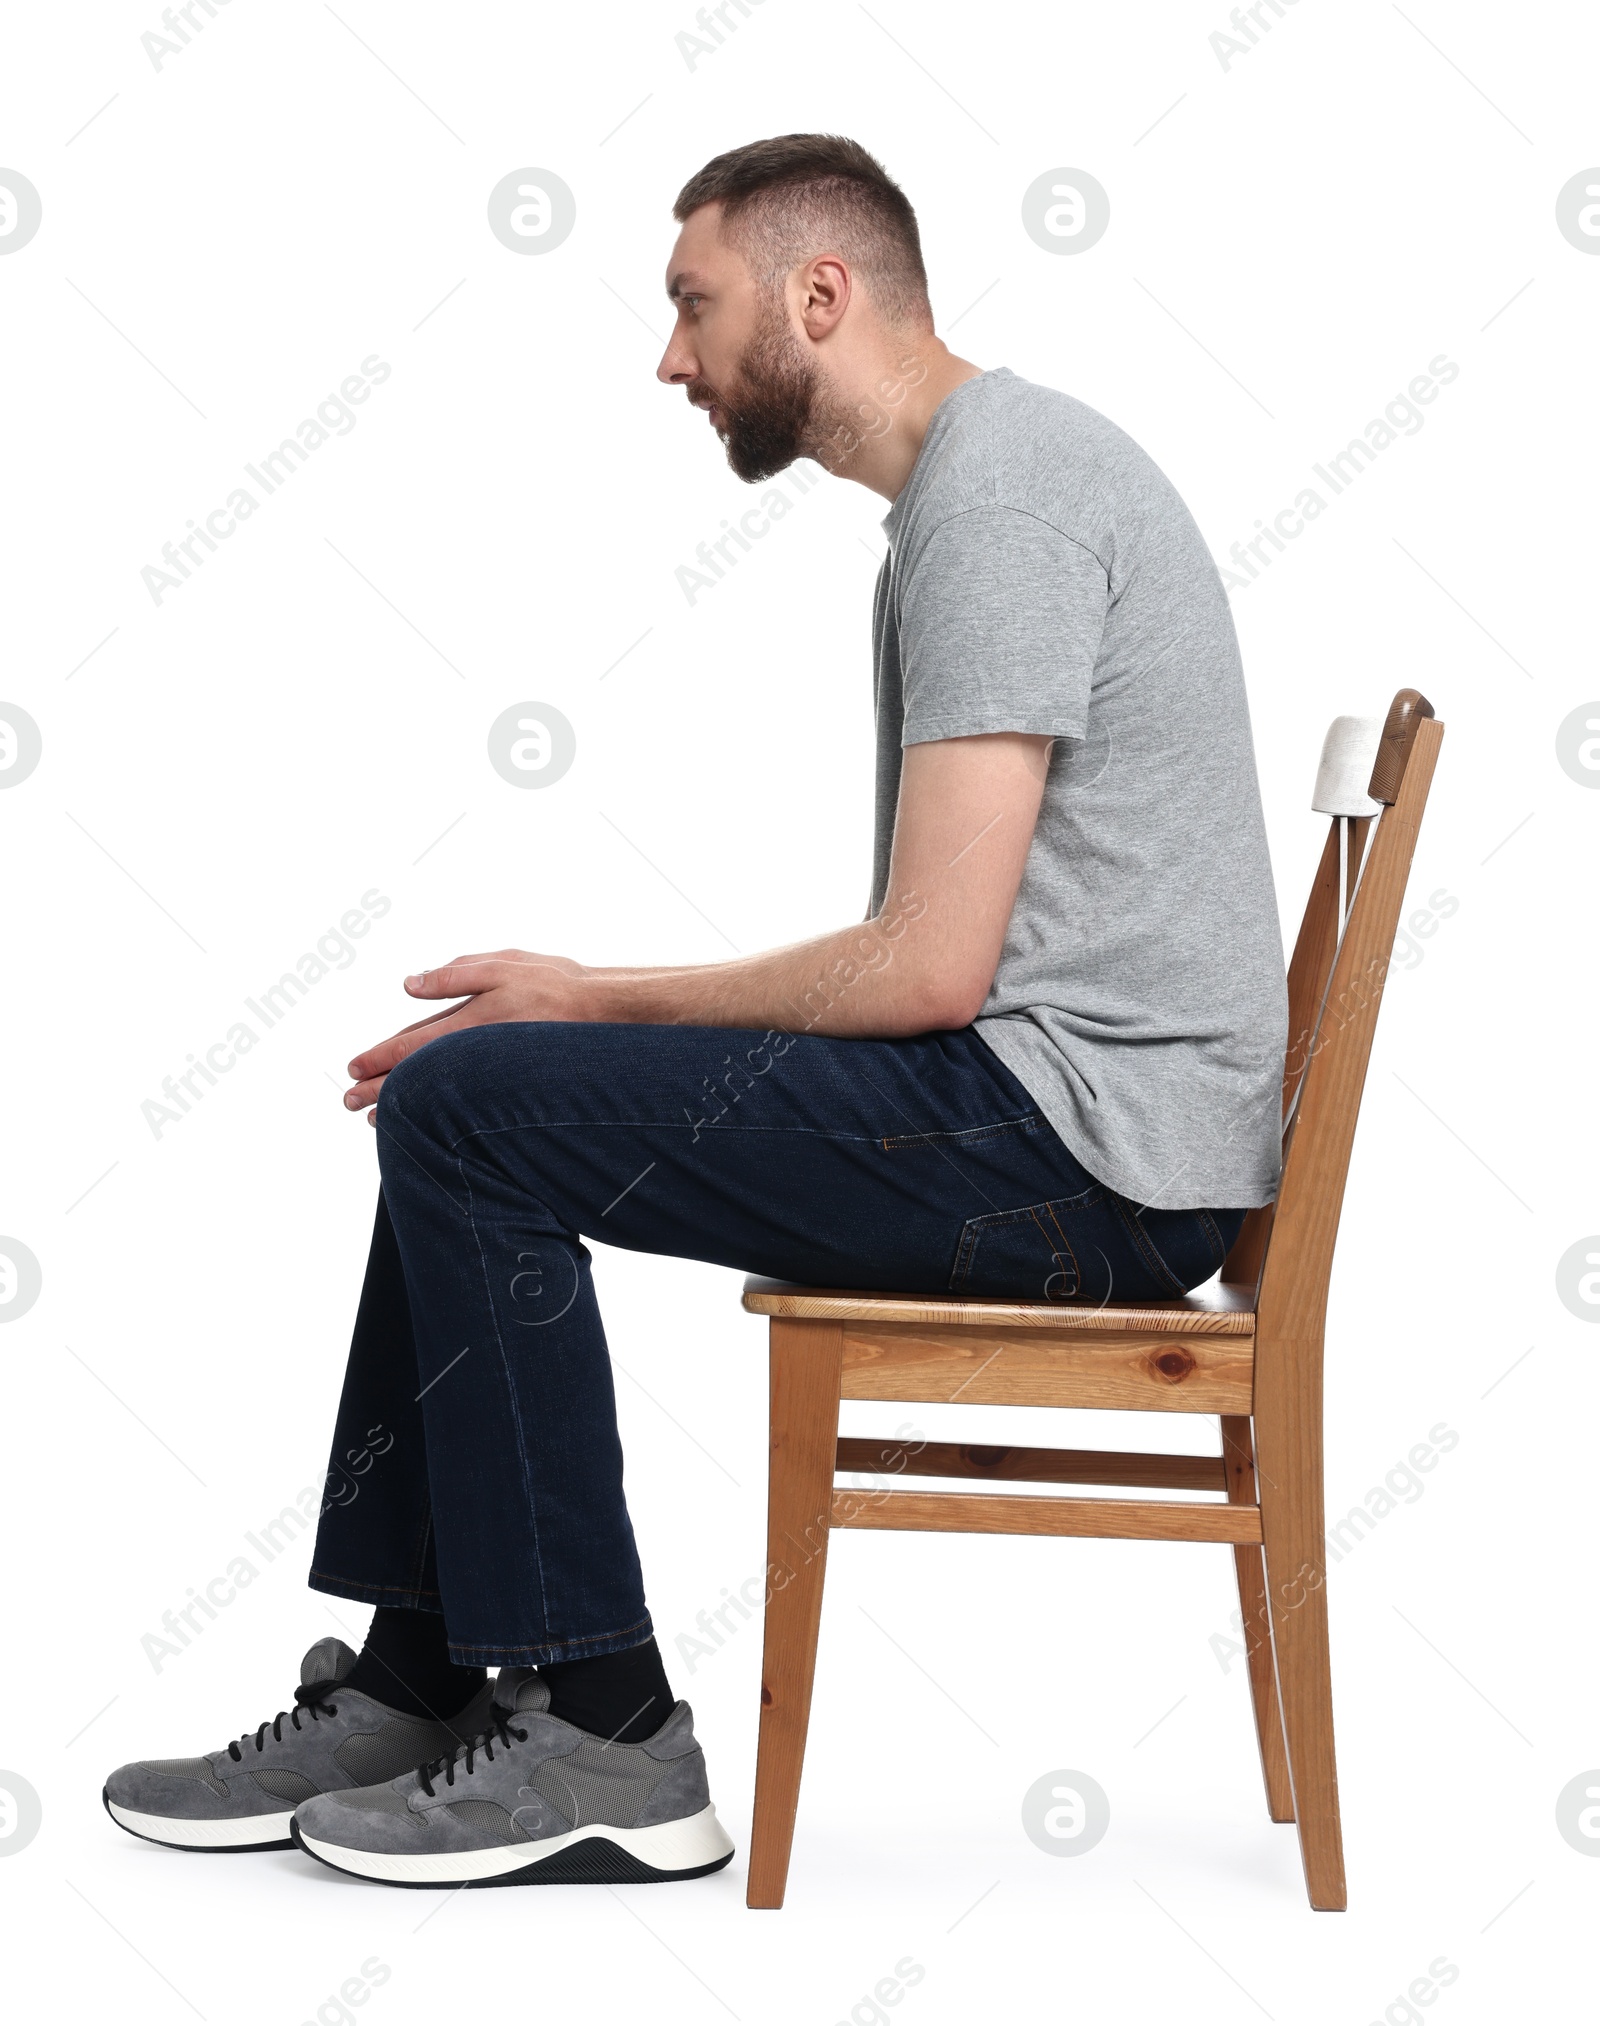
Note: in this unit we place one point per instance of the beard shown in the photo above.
(769, 410)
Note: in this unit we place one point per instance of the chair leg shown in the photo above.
(1289, 1458)
(1239, 1461)
(805, 1359)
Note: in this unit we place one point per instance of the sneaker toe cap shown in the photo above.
(184, 1789)
(360, 1818)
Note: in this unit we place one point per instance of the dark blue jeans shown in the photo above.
(918, 1166)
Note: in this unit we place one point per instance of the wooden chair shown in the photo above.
(1248, 1349)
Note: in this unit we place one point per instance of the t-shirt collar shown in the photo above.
(938, 423)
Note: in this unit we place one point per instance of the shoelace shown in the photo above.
(311, 1695)
(483, 1742)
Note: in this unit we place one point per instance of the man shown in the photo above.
(1047, 1066)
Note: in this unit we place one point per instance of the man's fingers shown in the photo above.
(465, 979)
(461, 974)
(381, 1059)
(370, 1069)
(391, 1053)
(431, 1019)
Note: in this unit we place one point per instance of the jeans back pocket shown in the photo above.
(1025, 1254)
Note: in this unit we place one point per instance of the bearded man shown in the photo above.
(1046, 1066)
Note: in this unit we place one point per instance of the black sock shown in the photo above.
(406, 1665)
(622, 1697)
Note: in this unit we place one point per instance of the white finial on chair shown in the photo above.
(1343, 774)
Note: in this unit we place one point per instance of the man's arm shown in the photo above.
(926, 960)
(965, 819)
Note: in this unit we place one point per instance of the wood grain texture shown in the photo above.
(1355, 844)
(1238, 1457)
(1082, 1368)
(1409, 709)
(1252, 1346)
(1312, 964)
(1308, 980)
(1031, 1466)
(1106, 1519)
(1292, 1313)
(1294, 1285)
(1216, 1309)
(804, 1429)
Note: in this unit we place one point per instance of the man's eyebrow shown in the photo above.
(685, 281)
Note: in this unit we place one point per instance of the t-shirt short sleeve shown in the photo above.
(999, 629)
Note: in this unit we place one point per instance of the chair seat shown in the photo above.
(1216, 1309)
(1195, 1355)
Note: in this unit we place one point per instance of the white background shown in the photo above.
(1293, 238)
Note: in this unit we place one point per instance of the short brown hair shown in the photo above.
(797, 195)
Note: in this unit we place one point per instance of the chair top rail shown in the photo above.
(1357, 774)
(1299, 1250)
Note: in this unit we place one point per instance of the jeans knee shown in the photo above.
(397, 1091)
(413, 1088)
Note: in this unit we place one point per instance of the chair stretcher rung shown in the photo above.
(1118, 1519)
(1031, 1466)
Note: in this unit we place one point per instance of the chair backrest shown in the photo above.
(1336, 978)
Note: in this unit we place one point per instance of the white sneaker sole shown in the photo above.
(596, 1854)
(249, 1832)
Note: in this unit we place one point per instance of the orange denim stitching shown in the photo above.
(1077, 1271)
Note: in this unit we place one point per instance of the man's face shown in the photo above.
(736, 355)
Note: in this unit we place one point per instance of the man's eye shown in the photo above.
(689, 300)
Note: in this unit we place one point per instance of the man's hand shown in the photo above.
(506, 985)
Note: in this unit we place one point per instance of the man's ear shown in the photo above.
(825, 289)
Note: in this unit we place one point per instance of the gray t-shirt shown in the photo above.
(1044, 576)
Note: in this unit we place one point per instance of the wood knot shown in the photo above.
(1174, 1364)
(983, 1458)
(766, 1696)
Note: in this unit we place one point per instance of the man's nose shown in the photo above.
(677, 367)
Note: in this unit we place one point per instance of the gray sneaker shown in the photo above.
(243, 1796)
(532, 1801)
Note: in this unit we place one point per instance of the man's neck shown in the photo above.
(880, 432)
